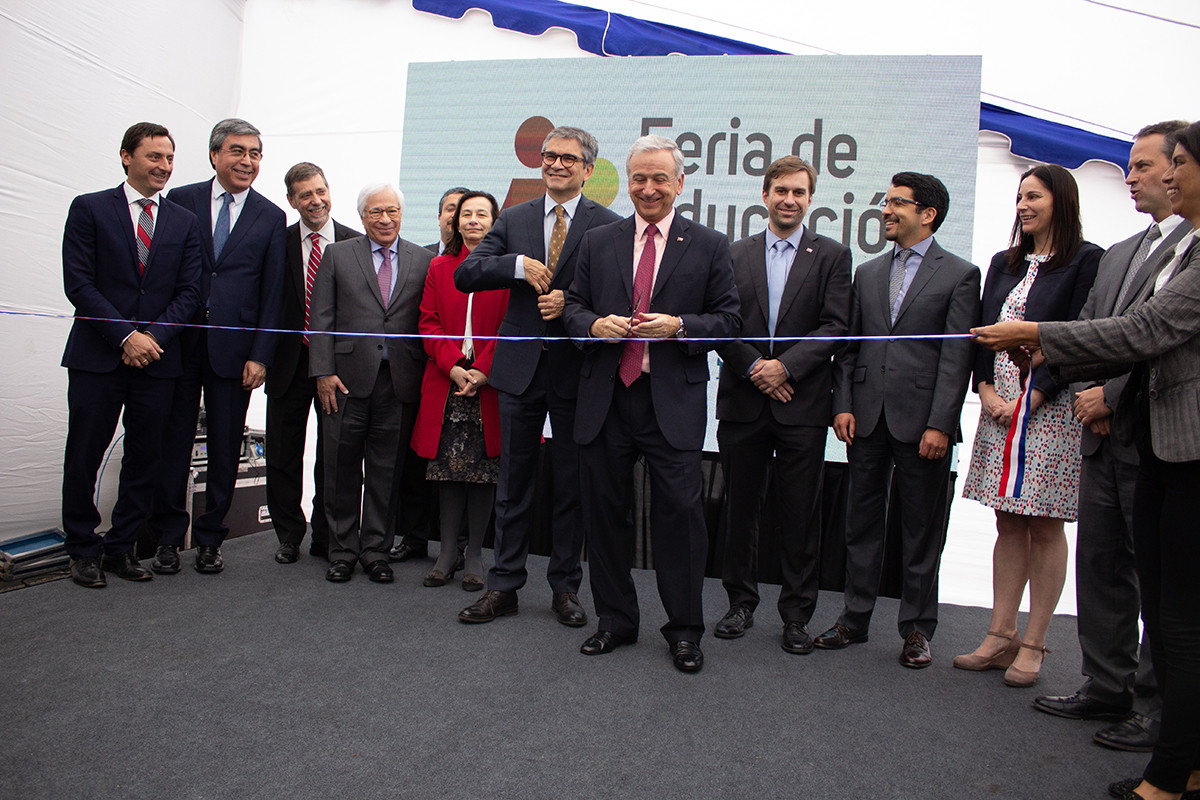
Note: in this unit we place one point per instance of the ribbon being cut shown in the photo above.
(1014, 444)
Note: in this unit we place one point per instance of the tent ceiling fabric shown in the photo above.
(607, 33)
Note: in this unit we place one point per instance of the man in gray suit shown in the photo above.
(368, 385)
(897, 404)
(1117, 685)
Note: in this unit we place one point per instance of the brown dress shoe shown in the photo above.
(494, 603)
(567, 609)
(916, 653)
(839, 636)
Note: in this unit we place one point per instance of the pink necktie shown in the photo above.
(643, 281)
(385, 275)
(310, 277)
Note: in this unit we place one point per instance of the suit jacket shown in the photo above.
(815, 302)
(914, 384)
(1102, 302)
(520, 231)
(1055, 295)
(101, 279)
(443, 312)
(1159, 335)
(244, 288)
(346, 300)
(291, 316)
(694, 281)
(433, 248)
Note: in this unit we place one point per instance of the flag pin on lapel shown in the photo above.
(679, 238)
(808, 249)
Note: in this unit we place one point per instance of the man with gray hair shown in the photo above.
(531, 251)
(368, 368)
(241, 289)
(1118, 685)
(653, 294)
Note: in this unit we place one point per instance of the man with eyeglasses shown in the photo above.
(368, 367)
(896, 404)
(241, 293)
(531, 251)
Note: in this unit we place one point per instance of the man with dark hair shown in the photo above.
(658, 292)
(531, 251)
(416, 511)
(774, 398)
(131, 262)
(1117, 685)
(897, 403)
(241, 289)
(290, 391)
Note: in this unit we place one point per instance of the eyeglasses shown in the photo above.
(377, 213)
(899, 202)
(568, 160)
(241, 152)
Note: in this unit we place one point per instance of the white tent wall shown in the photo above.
(325, 81)
(75, 76)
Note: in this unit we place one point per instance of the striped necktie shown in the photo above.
(145, 233)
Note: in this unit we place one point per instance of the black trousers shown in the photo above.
(287, 429)
(678, 536)
(799, 467)
(1166, 537)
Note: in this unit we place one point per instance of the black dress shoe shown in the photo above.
(568, 610)
(735, 623)
(379, 571)
(87, 572)
(166, 560)
(339, 571)
(687, 656)
(494, 603)
(916, 653)
(839, 636)
(1080, 706)
(1123, 790)
(126, 566)
(406, 550)
(797, 639)
(603, 642)
(287, 553)
(1137, 734)
(208, 559)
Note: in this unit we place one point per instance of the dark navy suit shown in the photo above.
(661, 416)
(242, 289)
(102, 279)
(533, 378)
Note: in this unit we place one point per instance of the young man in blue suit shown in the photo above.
(531, 252)
(241, 293)
(131, 264)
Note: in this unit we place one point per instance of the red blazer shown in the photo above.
(444, 311)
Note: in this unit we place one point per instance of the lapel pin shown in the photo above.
(808, 249)
(679, 238)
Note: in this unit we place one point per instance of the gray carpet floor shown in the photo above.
(266, 681)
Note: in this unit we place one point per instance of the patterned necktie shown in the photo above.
(777, 271)
(145, 233)
(221, 231)
(557, 237)
(385, 275)
(643, 282)
(1133, 276)
(897, 281)
(310, 277)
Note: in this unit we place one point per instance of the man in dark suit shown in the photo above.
(241, 287)
(897, 405)
(1118, 686)
(653, 276)
(131, 260)
(531, 251)
(416, 511)
(368, 379)
(774, 397)
(290, 391)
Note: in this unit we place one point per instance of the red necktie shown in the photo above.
(145, 233)
(643, 282)
(310, 277)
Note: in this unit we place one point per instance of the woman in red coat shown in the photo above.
(458, 422)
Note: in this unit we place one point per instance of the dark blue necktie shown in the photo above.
(221, 232)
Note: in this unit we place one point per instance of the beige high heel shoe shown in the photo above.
(1019, 678)
(1000, 660)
